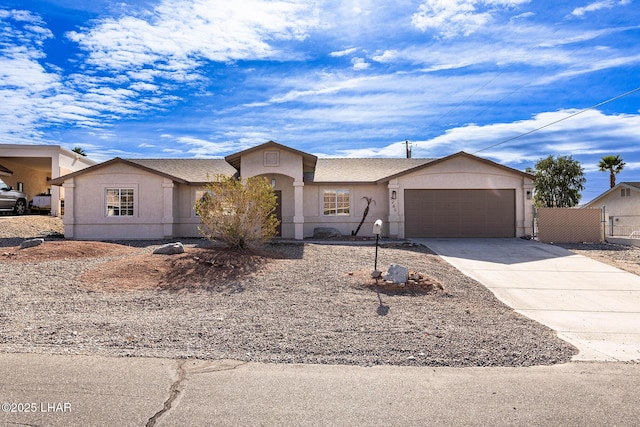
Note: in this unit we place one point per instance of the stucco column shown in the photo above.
(526, 226)
(298, 215)
(55, 190)
(167, 207)
(394, 197)
(68, 219)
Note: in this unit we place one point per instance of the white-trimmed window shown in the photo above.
(625, 192)
(119, 201)
(336, 202)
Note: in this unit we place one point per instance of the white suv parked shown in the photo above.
(12, 200)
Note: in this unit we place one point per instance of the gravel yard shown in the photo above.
(294, 303)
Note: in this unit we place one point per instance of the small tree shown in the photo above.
(558, 182)
(238, 212)
(614, 165)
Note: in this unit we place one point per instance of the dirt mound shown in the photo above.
(207, 268)
(65, 249)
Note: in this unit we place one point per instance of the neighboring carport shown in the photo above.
(460, 213)
(33, 166)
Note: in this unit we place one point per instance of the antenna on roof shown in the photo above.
(408, 147)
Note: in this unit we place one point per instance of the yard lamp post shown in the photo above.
(377, 229)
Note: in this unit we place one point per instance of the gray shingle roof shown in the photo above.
(189, 170)
(363, 170)
(632, 184)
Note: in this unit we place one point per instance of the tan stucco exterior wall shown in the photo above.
(260, 162)
(622, 211)
(88, 219)
(314, 216)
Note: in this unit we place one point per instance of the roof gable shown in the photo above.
(184, 171)
(468, 156)
(635, 186)
(308, 160)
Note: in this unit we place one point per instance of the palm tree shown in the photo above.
(614, 165)
(79, 150)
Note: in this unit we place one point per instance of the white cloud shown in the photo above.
(343, 52)
(311, 88)
(360, 64)
(386, 56)
(590, 133)
(598, 5)
(178, 34)
(25, 85)
(144, 87)
(450, 18)
(203, 148)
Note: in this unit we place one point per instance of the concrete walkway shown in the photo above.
(45, 390)
(592, 305)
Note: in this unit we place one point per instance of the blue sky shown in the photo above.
(339, 78)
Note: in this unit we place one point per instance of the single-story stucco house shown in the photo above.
(621, 205)
(30, 168)
(460, 195)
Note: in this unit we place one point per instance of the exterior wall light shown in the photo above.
(393, 194)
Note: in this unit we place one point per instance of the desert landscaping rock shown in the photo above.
(170, 249)
(397, 274)
(325, 233)
(31, 243)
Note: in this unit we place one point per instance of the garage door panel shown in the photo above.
(460, 213)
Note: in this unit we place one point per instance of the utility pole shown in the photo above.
(408, 148)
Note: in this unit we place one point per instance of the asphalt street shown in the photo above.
(60, 390)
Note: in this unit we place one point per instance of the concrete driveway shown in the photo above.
(592, 305)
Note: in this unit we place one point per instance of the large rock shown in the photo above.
(325, 233)
(31, 243)
(170, 249)
(397, 274)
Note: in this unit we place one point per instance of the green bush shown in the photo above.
(238, 212)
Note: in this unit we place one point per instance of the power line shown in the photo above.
(560, 120)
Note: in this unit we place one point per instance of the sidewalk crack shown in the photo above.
(174, 392)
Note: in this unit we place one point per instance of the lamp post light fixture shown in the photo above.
(377, 229)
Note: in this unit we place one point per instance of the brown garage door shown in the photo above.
(459, 213)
